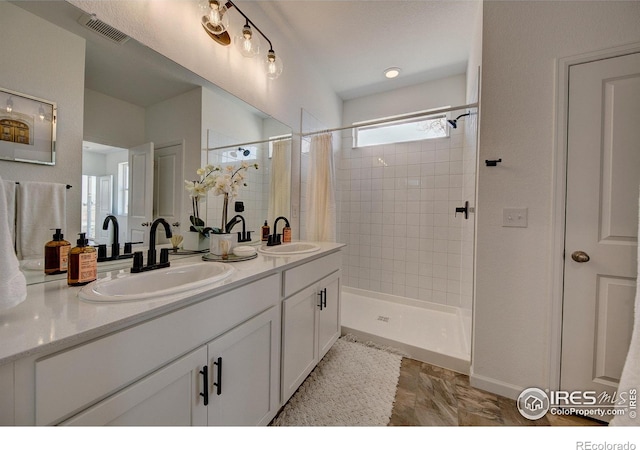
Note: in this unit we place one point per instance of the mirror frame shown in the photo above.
(42, 137)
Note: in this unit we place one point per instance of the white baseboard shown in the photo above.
(495, 386)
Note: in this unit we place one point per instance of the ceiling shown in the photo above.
(351, 42)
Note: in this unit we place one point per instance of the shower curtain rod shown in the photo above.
(393, 119)
(263, 141)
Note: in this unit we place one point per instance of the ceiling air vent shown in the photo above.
(103, 29)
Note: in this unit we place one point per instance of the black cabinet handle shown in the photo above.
(320, 305)
(218, 385)
(325, 297)
(205, 384)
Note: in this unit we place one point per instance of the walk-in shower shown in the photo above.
(408, 263)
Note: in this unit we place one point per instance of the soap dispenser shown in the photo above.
(56, 254)
(83, 263)
(265, 231)
(286, 234)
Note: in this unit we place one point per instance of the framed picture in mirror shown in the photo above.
(27, 128)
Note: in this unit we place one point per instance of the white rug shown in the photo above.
(354, 385)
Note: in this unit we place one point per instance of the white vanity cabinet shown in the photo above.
(232, 355)
(311, 318)
(169, 396)
(151, 374)
(244, 373)
(241, 384)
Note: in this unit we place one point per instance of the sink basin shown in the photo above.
(156, 283)
(292, 248)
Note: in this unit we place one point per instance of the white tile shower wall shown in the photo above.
(255, 195)
(396, 208)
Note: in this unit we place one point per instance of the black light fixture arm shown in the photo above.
(230, 4)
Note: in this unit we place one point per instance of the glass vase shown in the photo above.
(225, 204)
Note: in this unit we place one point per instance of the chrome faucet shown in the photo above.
(274, 239)
(243, 236)
(151, 253)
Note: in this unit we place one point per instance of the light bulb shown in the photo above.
(218, 20)
(272, 65)
(41, 113)
(9, 105)
(247, 42)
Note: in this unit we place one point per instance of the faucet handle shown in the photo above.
(164, 256)
(138, 262)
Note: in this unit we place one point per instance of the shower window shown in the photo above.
(426, 127)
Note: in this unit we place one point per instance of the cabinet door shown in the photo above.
(169, 396)
(329, 314)
(300, 350)
(244, 368)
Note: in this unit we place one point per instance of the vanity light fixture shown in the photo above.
(247, 43)
(392, 72)
(216, 23)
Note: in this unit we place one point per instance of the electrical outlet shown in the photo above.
(514, 217)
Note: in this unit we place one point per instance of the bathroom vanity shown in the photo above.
(228, 354)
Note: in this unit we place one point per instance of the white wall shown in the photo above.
(172, 27)
(110, 121)
(448, 91)
(522, 42)
(60, 57)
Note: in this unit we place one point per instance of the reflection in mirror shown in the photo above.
(134, 96)
(105, 173)
(266, 194)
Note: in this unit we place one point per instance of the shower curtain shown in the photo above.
(321, 202)
(280, 181)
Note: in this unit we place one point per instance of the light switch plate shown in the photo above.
(514, 217)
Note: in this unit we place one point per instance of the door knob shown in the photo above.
(580, 256)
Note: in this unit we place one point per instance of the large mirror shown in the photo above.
(141, 106)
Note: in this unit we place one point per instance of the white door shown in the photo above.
(140, 192)
(104, 202)
(603, 177)
(168, 183)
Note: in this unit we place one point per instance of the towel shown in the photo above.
(630, 378)
(41, 208)
(10, 193)
(13, 285)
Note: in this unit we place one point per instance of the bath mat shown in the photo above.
(354, 385)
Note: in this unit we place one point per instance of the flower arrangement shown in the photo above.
(220, 181)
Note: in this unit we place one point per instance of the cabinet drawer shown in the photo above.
(302, 276)
(71, 380)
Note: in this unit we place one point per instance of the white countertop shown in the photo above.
(53, 317)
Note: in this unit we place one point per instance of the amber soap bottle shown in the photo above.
(56, 254)
(83, 263)
(265, 231)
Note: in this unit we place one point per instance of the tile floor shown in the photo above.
(430, 395)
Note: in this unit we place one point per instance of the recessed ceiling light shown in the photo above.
(392, 72)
